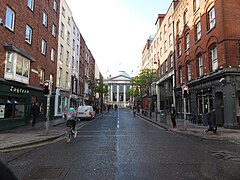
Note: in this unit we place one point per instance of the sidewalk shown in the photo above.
(232, 135)
(28, 135)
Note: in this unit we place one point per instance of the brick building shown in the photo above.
(207, 60)
(28, 49)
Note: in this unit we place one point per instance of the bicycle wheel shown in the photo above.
(68, 136)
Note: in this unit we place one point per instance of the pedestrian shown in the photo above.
(115, 106)
(35, 111)
(173, 116)
(211, 122)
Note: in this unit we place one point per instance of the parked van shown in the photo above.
(85, 112)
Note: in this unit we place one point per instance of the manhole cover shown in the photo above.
(47, 172)
(226, 155)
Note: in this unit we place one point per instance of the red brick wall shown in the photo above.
(225, 35)
(23, 16)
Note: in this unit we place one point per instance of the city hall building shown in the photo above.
(117, 90)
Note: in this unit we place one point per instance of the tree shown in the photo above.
(143, 81)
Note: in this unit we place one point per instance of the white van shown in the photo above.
(85, 112)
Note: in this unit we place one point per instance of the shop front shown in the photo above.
(217, 92)
(15, 104)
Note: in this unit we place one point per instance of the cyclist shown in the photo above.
(71, 119)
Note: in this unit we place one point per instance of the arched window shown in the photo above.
(200, 65)
(214, 58)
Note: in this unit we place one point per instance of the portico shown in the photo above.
(117, 90)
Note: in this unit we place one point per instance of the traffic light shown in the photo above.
(46, 88)
(185, 91)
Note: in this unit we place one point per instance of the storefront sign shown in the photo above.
(2, 111)
(18, 90)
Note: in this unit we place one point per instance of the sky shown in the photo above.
(116, 31)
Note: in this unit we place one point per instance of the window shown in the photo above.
(73, 45)
(44, 19)
(214, 57)
(77, 49)
(63, 12)
(55, 5)
(180, 75)
(170, 40)
(161, 52)
(42, 75)
(17, 67)
(61, 53)
(10, 18)
(187, 41)
(171, 61)
(43, 47)
(30, 4)
(67, 59)
(169, 20)
(52, 54)
(165, 46)
(68, 38)
(164, 29)
(211, 17)
(200, 65)
(179, 48)
(62, 30)
(69, 21)
(74, 29)
(185, 17)
(54, 30)
(72, 62)
(28, 34)
(60, 77)
(66, 82)
(188, 71)
(162, 72)
(178, 27)
(160, 36)
(166, 65)
(195, 5)
(198, 31)
(22, 66)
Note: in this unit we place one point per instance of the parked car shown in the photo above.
(85, 112)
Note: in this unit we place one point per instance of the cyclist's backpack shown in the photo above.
(70, 116)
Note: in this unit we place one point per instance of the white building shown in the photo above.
(117, 90)
(74, 97)
(63, 87)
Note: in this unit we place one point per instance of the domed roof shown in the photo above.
(123, 73)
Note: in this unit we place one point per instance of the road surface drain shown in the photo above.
(226, 155)
(47, 172)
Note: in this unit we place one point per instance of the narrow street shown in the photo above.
(118, 145)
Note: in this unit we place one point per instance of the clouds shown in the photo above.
(114, 32)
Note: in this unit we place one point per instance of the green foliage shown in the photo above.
(143, 81)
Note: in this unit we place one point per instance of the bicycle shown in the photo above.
(70, 134)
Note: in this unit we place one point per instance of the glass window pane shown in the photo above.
(25, 67)
(19, 111)
(19, 65)
(10, 15)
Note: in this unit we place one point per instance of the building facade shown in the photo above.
(75, 58)
(208, 60)
(64, 60)
(117, 90)
(27, 55)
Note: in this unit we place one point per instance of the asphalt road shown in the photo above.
(118, 146)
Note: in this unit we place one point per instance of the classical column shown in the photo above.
(111, 90)
(118, 93)
(124, 93)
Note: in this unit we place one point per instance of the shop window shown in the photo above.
(14, 107)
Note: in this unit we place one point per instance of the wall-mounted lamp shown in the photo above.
(1, 22)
